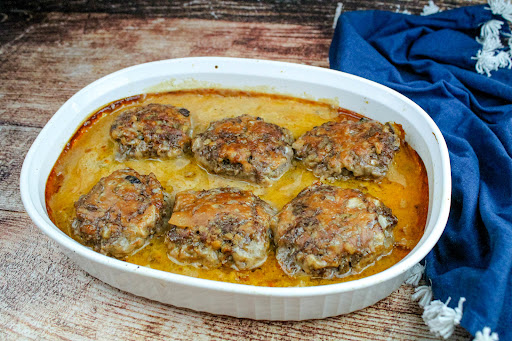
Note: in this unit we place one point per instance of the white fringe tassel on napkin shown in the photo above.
(493, 55)
(500, 7)
(337, 14)
(485, 335)
(431, 8)
(440, 319)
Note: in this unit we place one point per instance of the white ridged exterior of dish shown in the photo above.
(351, 92)
(249, 305)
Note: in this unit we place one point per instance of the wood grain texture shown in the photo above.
(48, 51)
(61, 54)
(14, 144)
(303, 12)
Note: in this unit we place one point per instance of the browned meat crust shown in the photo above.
(152, 131)
(246, 148)
(327, 231)
(339, 150)
(120, 212)
(219, 227)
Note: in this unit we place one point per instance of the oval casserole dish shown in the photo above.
(267, 303)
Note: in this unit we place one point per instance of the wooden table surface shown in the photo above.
(51, 49)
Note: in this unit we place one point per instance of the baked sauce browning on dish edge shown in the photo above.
(90, 155)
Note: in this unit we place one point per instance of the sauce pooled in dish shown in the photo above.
(402, 187)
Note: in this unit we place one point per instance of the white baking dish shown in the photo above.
(351, 92)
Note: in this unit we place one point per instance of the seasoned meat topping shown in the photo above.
(246, 148)
(120, 212)
(327, 231)
(219, 227)
(339, 150)
(152, 131)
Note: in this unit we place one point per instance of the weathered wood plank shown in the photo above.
(16, 24)
(47, 59)
(304, 12)
(64, 53)
(43, 295)
(14, 145)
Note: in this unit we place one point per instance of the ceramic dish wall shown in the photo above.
(350, 92)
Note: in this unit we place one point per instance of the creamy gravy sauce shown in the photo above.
(90, 155)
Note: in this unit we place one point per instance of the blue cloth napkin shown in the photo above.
(428, 59)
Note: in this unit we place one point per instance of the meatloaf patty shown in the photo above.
(219, 227)
(327, 231)
(152, 131)
(246, 148)
(339, 150)
(120, 212)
